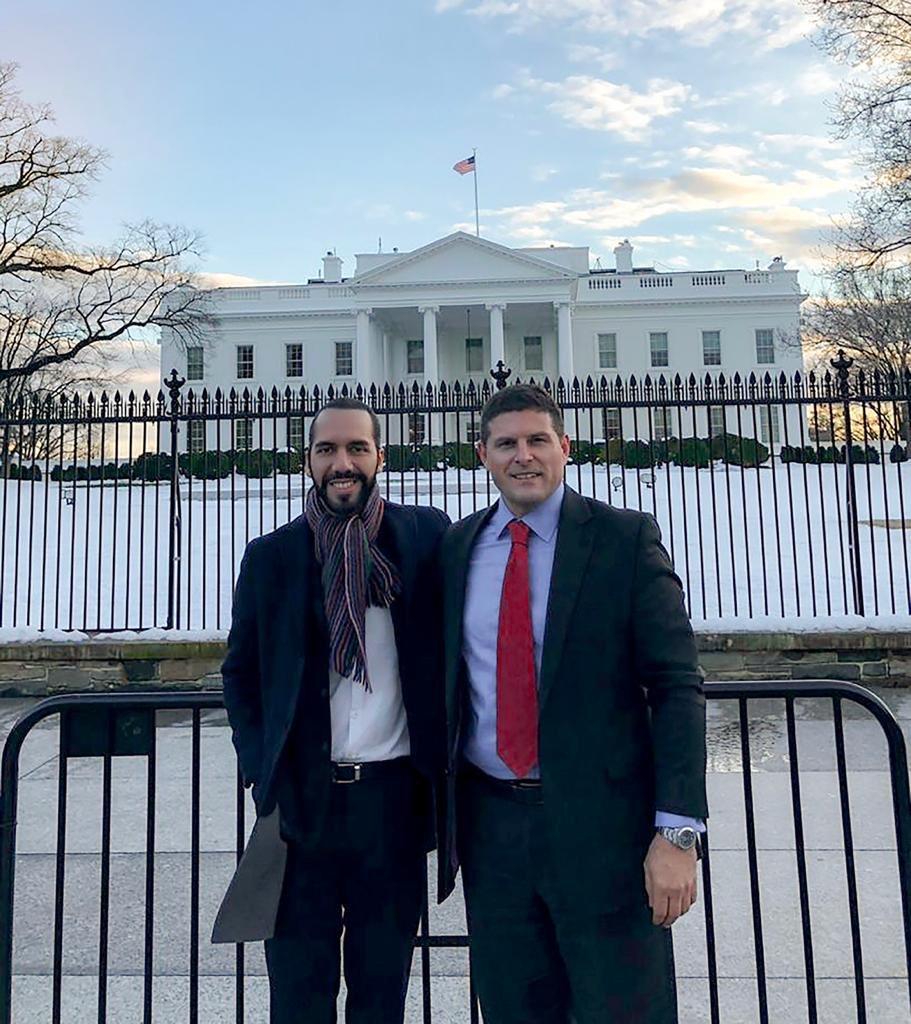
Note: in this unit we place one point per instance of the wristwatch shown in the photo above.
(683, 837)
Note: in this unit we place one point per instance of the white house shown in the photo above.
(451, 310)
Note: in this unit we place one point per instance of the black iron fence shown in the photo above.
(146, 916)
(781, 497)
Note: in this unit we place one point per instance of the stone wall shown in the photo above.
(40, 668)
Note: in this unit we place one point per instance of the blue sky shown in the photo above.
(697, 128)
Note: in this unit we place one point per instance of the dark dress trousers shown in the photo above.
(554, 876)
(327, 856)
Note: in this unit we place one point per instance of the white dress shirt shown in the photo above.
(371, 726)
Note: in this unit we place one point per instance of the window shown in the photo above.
(415, 355)
(244, 362)
(716, 420)
(765, 346)
(658, 343)
(294, 360)
(607, 351)
(711, 348)
(472, 433)
(296, 433)
(769, 429)
(195, 367)
(474, 355)
(196, 436)
(344, 358)
(612, 424)
(534, 353)
(243, 435)
(415, 428)
(661, 424)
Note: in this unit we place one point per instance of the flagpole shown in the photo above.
(477, 222)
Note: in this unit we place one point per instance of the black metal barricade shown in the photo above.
(109, 727)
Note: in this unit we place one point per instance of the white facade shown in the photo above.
(407, 317)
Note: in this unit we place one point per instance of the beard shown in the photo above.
(347, 506)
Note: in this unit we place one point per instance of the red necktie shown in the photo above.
(517, 692)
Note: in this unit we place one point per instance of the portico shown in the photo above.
(478, 303)
(427, 344)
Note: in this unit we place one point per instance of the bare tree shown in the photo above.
(874, 109)
(63, 305)
(865, 311)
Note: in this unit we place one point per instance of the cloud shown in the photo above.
(817, 79)
(586, 54)
(774, 23)
(705, 127)
(543, 172)
(414, 215)
(218, 279)
(724, 155)
(500, 92)
(742, 201)
(598, 104)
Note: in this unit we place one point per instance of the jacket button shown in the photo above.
(325, 748)
(324, 694)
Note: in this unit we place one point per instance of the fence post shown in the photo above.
(841, 365)
(174, 383)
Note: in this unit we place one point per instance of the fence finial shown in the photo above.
(500, 374)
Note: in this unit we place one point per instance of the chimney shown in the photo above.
(332, 268)
(624, 255)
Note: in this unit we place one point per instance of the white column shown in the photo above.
(497, 337)
(365, 369)
(564, 341)
(431, 354)
(387, 358)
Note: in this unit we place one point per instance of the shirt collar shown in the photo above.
(542, 520)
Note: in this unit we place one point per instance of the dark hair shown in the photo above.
(516, 399)
(354, 404)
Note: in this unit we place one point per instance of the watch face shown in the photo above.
(686, 838)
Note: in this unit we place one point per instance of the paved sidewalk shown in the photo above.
(886, 986)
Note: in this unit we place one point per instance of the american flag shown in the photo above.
(465, 166)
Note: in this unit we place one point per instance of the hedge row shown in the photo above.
(686, 451)
(831, 453)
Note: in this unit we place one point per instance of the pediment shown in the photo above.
(461, 257)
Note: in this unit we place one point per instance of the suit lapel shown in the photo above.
(575, 538)
(456, 579)
(398, 540)
(301, 575)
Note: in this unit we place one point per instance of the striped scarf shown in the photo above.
(355, 573)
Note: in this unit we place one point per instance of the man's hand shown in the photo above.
(670, 880)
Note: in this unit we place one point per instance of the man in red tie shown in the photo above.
(576, 729)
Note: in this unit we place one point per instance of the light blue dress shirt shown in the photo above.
(481, 623)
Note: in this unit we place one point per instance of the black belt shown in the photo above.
(363, 771)
(524, 790)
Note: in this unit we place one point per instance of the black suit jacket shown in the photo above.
(275, 673)
(621, 706)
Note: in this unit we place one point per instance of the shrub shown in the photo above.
(152, 467)
(288, 461)
(400, 457)
(461, 455)
(255, 464)
(636, 455)
(691, 451)
(209, 465)
(13, 471)
(739, 451)
(898, 454)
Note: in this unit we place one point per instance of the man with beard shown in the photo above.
(333, 687)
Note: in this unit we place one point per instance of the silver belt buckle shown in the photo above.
(357, 774)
